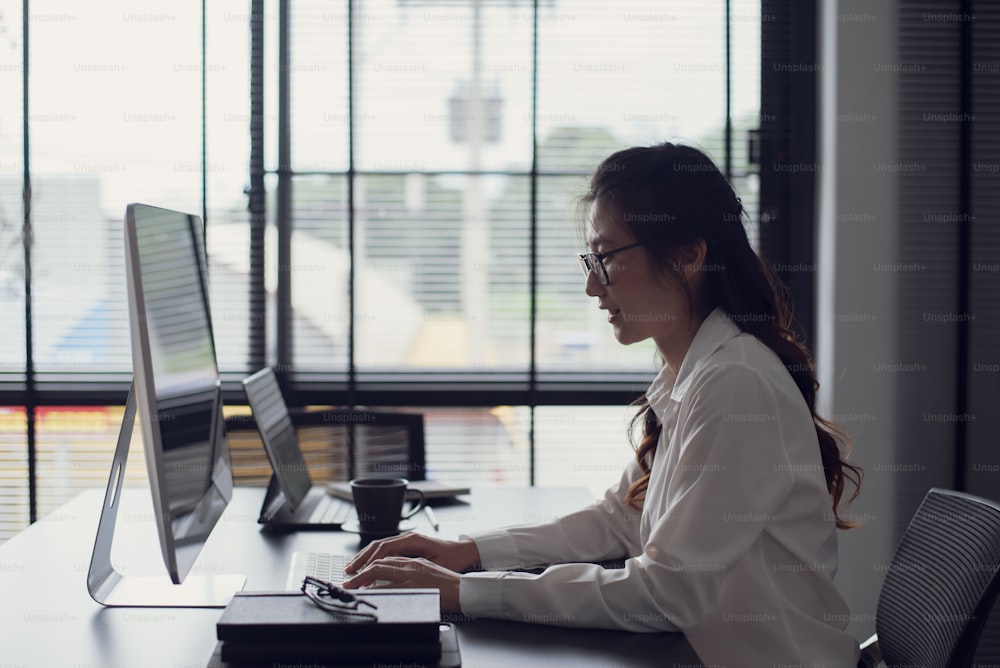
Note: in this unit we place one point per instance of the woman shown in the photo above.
(730, 510)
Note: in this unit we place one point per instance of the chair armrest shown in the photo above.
(871, 656)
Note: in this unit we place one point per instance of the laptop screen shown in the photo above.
(278, 435)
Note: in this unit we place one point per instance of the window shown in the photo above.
(441, 183)
(389, 222)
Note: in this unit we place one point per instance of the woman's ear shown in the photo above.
(691, 260)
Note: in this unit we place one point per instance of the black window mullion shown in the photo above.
(204, 122)
(30, 400)
(727, 139)
(352, 370)
(256, 195)
(352, 376)
(283, 312)
(533, 251)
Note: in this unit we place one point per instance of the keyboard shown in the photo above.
(331, 510)
(322, 565)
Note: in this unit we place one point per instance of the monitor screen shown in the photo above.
(176, 380)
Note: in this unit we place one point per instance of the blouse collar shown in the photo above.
(715, 330)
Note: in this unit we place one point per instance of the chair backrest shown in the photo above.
(379, 443)
(942, 582)
(336, 444)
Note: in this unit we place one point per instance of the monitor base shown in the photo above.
(197, 591)
(110, 588)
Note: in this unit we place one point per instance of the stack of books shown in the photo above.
(269, 628)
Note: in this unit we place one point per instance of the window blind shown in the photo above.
(449, 168)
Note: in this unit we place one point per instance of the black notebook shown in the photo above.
(411, 615)
(440, 654)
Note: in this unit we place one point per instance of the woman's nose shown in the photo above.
(593, 287)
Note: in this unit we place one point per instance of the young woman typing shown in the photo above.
(729, 513)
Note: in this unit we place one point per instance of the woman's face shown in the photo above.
(640, 305)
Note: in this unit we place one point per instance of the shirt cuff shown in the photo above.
(497, 551)
(479, 594)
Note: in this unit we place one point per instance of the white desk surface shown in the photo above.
(47, 618)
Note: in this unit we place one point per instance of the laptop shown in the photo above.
(292, 501)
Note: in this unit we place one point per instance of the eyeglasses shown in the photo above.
(335, 600)
(594, 262)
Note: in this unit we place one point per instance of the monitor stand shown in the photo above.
(110, 588)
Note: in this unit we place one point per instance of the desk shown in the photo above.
(48, 620)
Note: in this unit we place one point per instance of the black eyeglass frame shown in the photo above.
(335, 600)
(588, 260)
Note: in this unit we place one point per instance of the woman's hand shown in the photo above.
(406, 572)
(415, 560)
(458, 556)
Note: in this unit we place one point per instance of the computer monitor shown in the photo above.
(176, 396)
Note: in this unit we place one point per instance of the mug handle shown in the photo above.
(417, 508)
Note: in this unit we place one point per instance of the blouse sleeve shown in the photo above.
(730, 477)
(607, 529)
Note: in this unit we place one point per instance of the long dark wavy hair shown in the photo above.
(670, 196)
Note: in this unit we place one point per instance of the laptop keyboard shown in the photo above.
(331, 510)
(322, 565)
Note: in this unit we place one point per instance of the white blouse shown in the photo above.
(735, 545)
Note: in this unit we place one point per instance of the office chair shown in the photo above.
(940, 586)
(337, 444)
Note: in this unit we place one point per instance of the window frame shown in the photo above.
(353, 387)
(531, 388)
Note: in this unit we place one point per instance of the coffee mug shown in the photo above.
(379, 503)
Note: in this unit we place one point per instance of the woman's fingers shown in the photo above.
(403, 572)
(388, 572)
(405, 545)
(459, 556)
